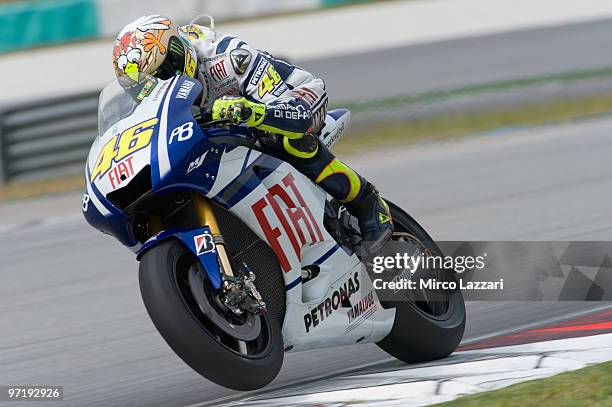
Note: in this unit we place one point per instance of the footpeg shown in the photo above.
(309, 273)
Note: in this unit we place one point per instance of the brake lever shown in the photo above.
(205, 120)
(211, 123)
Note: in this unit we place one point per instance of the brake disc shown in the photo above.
(248, 331)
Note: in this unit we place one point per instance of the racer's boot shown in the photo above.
(374, 218)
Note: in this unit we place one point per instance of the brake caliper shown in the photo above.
(240, 293)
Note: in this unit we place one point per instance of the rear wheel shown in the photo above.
(426, 326)
(242, 352)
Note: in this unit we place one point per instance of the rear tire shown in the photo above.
(192, 335)
(418, 334)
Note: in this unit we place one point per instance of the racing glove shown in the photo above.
(239, 110)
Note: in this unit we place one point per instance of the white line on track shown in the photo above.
(469, 372)
(391, 359)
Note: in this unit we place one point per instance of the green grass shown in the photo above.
(380, 137)
(560, 78)
(591, 386)
(461, 125)
(30, 189)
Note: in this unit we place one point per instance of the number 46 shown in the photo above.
(119, 147)
(268, 81)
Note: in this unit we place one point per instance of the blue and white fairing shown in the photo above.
(174, 142)
(160, 141)
(159, 137)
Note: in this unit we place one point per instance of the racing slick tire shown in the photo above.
(419, 334)
(196, 338)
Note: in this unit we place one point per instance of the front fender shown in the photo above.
(199, 241)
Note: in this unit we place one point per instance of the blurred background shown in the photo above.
(388, 61)
(484, 119)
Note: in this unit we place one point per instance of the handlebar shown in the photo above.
(205, 120)
(212, 123)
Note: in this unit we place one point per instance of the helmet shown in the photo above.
(156, 46)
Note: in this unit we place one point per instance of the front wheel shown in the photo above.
(241, 352)
(423, 330)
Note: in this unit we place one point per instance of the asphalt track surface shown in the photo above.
(461, 62)
(71, 308)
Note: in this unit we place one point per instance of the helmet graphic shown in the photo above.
(156, 46)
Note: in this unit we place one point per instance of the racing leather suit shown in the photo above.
(295, 110)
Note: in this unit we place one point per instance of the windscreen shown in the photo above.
(120, 98)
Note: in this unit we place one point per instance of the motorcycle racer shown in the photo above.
(252, 87)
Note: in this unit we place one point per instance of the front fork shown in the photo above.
(207, 217)
(240, 292)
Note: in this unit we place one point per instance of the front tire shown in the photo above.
(421, 331)
(195, 337)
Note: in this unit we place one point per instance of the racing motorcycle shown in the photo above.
(242, 258)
